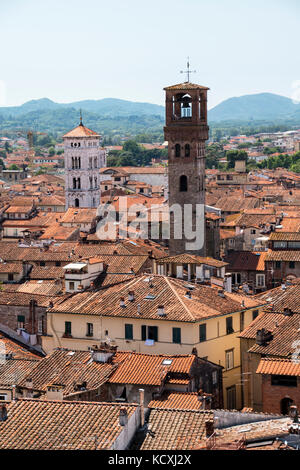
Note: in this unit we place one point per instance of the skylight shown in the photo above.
(167, 362)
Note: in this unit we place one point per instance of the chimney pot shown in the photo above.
(131, 296)
(161, 311)
(122, 302)
(123, 416)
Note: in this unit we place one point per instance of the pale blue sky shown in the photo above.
(69, 50)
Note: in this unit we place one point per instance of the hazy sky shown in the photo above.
(70, 50)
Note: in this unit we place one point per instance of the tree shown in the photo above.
(51, 152)
(235, 155)
(13, 167)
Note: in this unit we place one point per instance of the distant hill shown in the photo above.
(107, 107)
(111, 116)
(261, 106)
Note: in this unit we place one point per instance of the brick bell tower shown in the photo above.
(186, 131)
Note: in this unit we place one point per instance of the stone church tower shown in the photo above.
(83, 159)
(186, 131)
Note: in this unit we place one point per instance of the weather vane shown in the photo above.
(188, 71)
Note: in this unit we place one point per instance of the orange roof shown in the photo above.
(177, 401)
(278, 367)
(81, 131)
(148, 369)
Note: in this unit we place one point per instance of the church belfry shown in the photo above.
(83, 159)
(186, 131)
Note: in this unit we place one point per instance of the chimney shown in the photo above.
(263, 336)
(28, 383)
(161, 311)
(104, 353)
(13, 393)
(188, 294)
(142, 406)
(123, 416)
(122, 302)
(221, 293)
(55, 392)
(31, 319)
(209, 427)
(139, 309)
(131, 296)
(287, 312)
(3, 412)
(243, 304)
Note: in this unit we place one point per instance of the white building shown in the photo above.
(83, 159)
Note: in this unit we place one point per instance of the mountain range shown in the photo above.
(111, 115)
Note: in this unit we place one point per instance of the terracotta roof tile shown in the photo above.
(61, 425)
(269, 366)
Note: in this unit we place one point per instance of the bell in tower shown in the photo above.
(186, 131)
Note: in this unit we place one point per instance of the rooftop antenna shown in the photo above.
(188, 71)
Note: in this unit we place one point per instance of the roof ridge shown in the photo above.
(180, 300)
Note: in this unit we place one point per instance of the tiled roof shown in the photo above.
(177, 401)
(40, 272)
(150, 369)
(266, 320)
(280, 298)
(40, 287)
(15, 349)
(171, 293)
(185, 258)
(14, 370)
(245, 261)
(6, 268)
(278, 367)
(81, 131)
(255, 220)
(68, 368)
(21, 298)
(284, 336)
(186, 86)
(61, 425)
(175, 429)
(285, 236)
(83, 215)
(281, 255)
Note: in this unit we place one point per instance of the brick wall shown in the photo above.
(273, 394)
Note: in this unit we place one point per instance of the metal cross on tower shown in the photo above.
(188, 71)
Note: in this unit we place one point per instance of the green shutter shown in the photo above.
(68, 327)
(177, 335)
(155, 333)
(21, 319)
(203, 332)
(143, 332)
(128, 331)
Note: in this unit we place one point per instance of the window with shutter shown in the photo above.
(128, 331)
(177, 335)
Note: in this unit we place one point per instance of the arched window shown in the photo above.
(72, 163)
(183, 184)
(187, 150)
(95, 162)
(78, 183)
(177, 150)
(91, 182)
(76, 202)
(79, 162)
(74, 183)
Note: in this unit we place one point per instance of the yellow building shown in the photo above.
(158, 314)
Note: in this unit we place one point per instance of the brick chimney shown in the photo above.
(142, 406)
(32, 316)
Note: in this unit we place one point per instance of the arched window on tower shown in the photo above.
(74, 183)
(78, 183)
(95, 179)
(183, 184)
(95, 162)
(76, 202)
(177, 150)
(187, 150)
(73, 163)
(79, 162)
(76, 164)
(91, 182)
